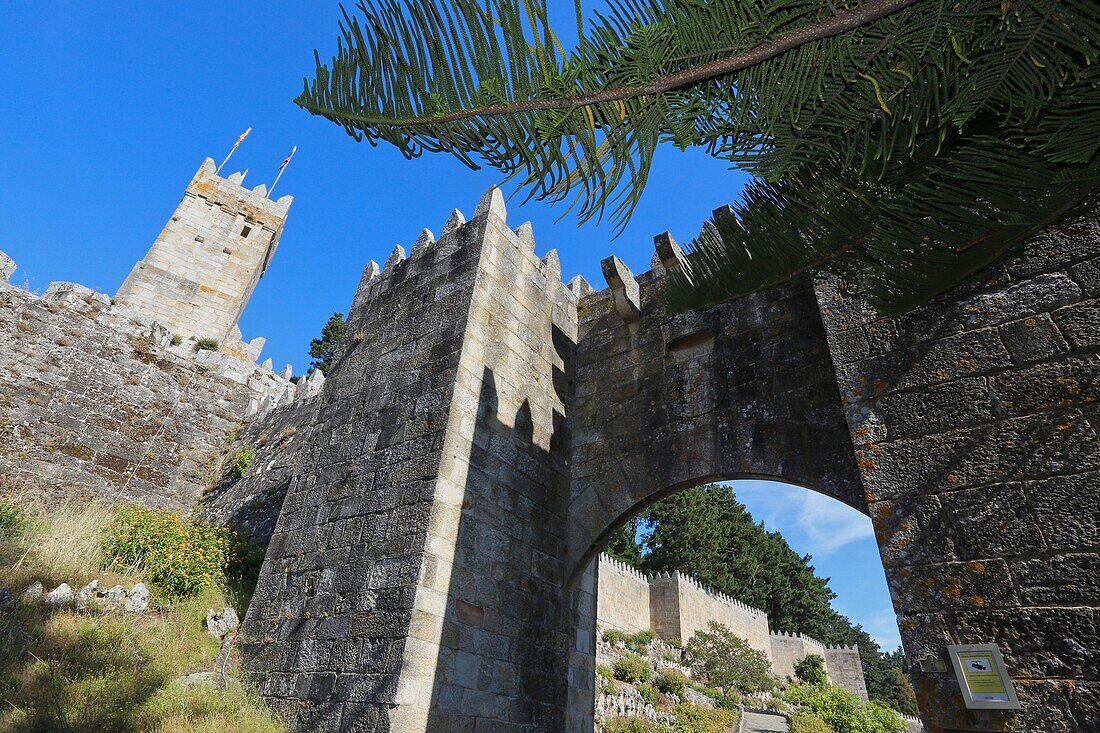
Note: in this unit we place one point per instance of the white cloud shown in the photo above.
(830, 525)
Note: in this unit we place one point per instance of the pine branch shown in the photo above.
(837, 24)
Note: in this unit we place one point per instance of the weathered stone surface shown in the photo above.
(200, 272)
(137, 598)
(60, 597)
(1067, 508)
(1033, 339)
(220, 623)
(1081, 324)
(32, 592)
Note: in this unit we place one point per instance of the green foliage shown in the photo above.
(241, 461)
(648, 693)
(808, 723)
(615, 636)
(13, 519)
(633, 725)
(632, 669)
(643, 639)
(706, 533)
(206, 345)
(672, 682)
(179, 555)
(906, 145)
(605, 679)
(69, 671)
(697, 719)
(622, 545)
(727, 661)
(811, 670)
(843, 711)
(323, 349)
(176, 339)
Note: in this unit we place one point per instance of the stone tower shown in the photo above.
(200, 272)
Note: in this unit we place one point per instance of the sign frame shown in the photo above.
(1001, 694)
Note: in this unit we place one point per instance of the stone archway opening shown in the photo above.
(668, 597)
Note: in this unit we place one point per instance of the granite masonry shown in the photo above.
(485, 429)
(437, 505)
(101, 399)
(675, 606)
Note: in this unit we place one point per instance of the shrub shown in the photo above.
(206, 345)
(632, 668)
(697, 719)
(177, 339)
(614, 636)
(809, 723)
(643, 638)
(13, 520)
(843, 711)
(648, 693)
(604, 679)
(726, 661)
(811, 670)
(179, 555)
(242, 461)
(633, 725)
(672, 683)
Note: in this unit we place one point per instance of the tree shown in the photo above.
(623, 546)
(324, 349)
(811, 669)
(726, 661)
(905, 144)
(706, 533)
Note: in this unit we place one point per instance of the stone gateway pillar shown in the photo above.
(485, 428)
(415, 579)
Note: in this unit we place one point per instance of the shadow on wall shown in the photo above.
(507, 629)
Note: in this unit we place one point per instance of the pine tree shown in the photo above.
(324, 349)
(905, 144)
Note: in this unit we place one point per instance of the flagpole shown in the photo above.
(232, 150)
(282, 168)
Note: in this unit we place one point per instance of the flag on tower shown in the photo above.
(242, 137)
(233, 149)
(287, 158)
(283, 165)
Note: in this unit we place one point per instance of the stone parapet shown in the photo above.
(96, 404)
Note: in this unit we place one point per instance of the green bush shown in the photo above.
(672, 683)
(206, 345)
(614, 636)
(843, 711)
(13, 520)
(643, 638)
(809, 723)
(179, 555)
(633, 725)
(648, 693)
(726, 661)
(632, 668)
(811, 670)
(242, 461)
(605, 679)
(697, 719)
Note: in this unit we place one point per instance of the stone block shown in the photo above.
(1080, 323)
(1033, 339)
(1040, 294)
(1071, 579)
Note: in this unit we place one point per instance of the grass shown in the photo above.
(70, 671)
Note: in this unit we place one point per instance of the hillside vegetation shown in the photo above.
(63, 669)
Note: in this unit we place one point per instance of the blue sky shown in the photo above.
(109, 109)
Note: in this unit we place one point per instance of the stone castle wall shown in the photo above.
(622, 599)
(675, 607)
(680, 603)
(94, 404)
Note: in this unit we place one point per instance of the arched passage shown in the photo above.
(743, 390)
(755, 582)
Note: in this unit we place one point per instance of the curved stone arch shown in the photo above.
(600, 542)
(664, 402)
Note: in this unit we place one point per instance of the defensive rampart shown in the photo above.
(96, 404)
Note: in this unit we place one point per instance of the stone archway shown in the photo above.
(431, 565)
